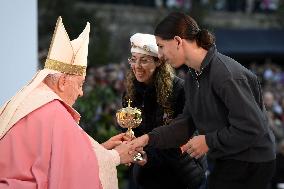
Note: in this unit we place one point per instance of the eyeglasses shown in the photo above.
(143, 61)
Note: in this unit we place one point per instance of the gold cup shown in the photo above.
(130, 118)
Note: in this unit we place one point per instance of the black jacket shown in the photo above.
(223, 102)
(166, 168)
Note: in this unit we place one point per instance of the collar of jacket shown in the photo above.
(207, 59)
(142, 87)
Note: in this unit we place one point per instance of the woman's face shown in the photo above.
(170, 51)
(143, 67)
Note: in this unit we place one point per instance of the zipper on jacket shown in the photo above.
(143, 95)
(197, 82)
(196, 75)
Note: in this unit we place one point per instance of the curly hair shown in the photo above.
(163, 81)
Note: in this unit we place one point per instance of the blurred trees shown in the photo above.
(74, 19)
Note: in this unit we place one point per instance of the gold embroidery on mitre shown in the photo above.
(65, 68)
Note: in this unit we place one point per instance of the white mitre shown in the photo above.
(64, 56)
(67, 56)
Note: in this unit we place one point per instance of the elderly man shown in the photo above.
(41, 144)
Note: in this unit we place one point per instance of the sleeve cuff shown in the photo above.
(152, 139)
(209, 138)
(115, 156)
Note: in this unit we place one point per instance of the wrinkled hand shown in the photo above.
(196, 147)
(115, 141)
(125, 152)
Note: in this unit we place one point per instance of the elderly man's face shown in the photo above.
(73, 88)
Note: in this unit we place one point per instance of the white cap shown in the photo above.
(144, 44)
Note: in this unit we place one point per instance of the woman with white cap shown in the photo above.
(152, 87)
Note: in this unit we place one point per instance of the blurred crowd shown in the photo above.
(272, 79)
(248, 6)
(109, 77)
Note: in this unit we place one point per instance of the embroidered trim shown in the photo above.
(145, 47)
(65, 68)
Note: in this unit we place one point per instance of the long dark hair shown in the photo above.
(184, 26)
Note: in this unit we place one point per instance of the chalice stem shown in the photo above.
(130, 133)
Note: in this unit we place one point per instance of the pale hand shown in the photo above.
(125, 153)
(196, 147)
(115, 141)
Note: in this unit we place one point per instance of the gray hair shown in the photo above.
(52, 79)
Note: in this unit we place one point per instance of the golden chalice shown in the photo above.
(130, 118)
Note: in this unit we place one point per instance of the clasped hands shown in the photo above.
(128, 147)
(122, 144)
(196, 147)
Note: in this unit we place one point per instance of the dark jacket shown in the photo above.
(166, 168)
(224, 103)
